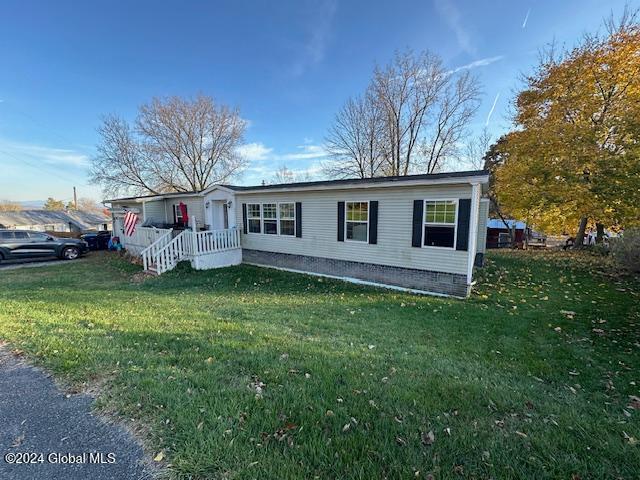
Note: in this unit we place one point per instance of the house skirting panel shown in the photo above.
(221, 259)
(423, 280)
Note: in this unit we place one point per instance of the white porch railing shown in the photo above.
(150, 253)
(142, 238)
(176, 250)
(211, 241)
(165, 254)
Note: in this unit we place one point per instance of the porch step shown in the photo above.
(152, 269)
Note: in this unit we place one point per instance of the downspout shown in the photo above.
(473, 230)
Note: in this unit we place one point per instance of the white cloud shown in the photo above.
(526, 18)
(315, 46)
(59, 157)
(483, 62)
(254, 151)
(453, 18)
(305, 162)
(493, 107)
(306, 152)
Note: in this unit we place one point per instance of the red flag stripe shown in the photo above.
(130, 220)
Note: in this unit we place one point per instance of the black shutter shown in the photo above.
(298, 219)
(464, 212)
(418, 216)
(341, 221)
(373, 222)
(175, 217)
(244, 218)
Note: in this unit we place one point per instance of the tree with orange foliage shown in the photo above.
(574, 156)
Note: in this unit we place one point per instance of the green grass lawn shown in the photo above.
(255, 373)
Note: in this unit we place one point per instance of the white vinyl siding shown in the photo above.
(395, 223)
(195, 208)
(482, 225)
(154, 211)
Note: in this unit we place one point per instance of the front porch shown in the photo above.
(162, 249)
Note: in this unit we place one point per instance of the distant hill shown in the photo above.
(32, 204)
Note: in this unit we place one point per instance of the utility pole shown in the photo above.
(75, 199)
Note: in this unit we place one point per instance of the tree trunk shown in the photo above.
(599, 233)
(580, 235)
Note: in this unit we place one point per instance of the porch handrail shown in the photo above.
(150, 252)
(166, 252)
(210, 241)
(143, 236)
(168, 256)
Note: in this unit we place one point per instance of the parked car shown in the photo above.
(15, 244)
(97, 240)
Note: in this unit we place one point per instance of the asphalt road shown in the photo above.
(34, 262)
(59, 433)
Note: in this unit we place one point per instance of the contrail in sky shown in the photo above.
(524, 24)
(493, 107)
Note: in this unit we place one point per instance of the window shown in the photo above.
(440, 223)
(357, 220)
(177, 214)
(270, 218)
(287, 218)
(253, 217)
(504, 239)
(38, 237)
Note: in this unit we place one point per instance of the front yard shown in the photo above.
(255, 373)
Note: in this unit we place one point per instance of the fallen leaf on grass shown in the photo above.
(631, 440)
(401, 441)
(522, 434)
(158, 457)
(428, 438)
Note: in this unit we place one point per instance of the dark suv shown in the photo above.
(15, 244)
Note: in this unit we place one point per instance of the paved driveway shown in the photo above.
(34, 262)
(58, 435)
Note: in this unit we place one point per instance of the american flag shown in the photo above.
(130, 220)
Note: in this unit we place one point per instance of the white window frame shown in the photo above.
(438, 224)
(287, 218)
(259, 218)
(270, 219)
(277, 219)
(177, 212)
(346, 202)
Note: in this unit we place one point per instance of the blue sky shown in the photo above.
(288, 66)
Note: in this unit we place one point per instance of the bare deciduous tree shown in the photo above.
(476, 149)
(177, 145)
(457, 104)
(355, 140)
(286, 175)
(406, 89)
(415, 114)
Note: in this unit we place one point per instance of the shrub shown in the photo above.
(626, 250)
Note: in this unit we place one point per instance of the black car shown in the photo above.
(16, 244)
(97, 240)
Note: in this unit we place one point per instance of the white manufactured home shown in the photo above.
(423, 233)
